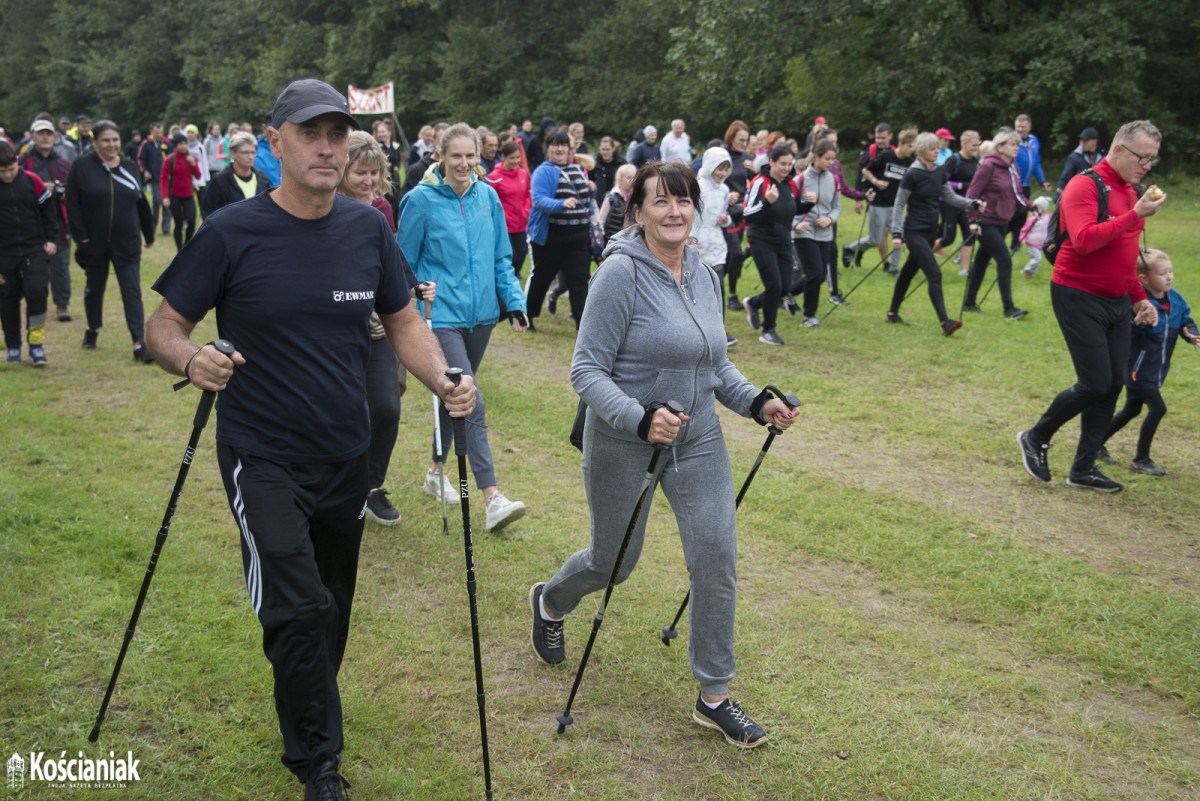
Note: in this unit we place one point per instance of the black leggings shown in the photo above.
(520, 249)
(1156, 409)
(920, 257)
(183, 212)
(991, 246)
(814, 260)
(774, 265)
(567, 248)
(952, 218)
(26, 278)
(1096, 330)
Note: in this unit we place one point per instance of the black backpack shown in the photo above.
(1056, 233)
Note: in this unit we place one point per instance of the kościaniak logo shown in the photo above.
(78, 772)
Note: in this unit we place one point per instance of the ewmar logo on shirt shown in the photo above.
(339, 296)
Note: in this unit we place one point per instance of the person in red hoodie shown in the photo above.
(511, 182)
(177, 193)
(1094, 284)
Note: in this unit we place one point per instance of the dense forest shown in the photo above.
(618, 64)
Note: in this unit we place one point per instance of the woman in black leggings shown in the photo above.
(769, 209)
(920, 190)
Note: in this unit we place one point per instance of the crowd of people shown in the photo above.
(450, 223)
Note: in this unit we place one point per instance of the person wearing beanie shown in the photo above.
(648, 150)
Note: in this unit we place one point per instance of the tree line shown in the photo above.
(619, 64)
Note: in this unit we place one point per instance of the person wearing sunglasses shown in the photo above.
(1094, 285)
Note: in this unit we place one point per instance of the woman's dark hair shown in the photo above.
(509, 147)
(8, 156)
(558, 136)
(779, 151)
(824, 146)
(106, 125)
(674, 179)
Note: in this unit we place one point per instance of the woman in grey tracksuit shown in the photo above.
(819, 206)
(658, 337)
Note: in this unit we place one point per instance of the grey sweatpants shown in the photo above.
(465, 349)
(879, 220)
(698, 483)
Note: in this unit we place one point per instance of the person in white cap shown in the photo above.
(647, 151)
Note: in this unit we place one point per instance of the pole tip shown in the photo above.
(668, 633)
(564, 720)
(95, 735)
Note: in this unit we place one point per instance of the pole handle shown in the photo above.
(460, 425)
(427, 305)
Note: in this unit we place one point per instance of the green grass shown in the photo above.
(909, 598)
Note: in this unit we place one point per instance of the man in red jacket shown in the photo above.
(1094, 283)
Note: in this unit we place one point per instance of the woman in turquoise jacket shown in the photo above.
(452, 231)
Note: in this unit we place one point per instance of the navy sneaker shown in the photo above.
(1094, 479)
(13, 356)
(380, 509)
(751, 314)
(37, 355)
(1146, 466)
(731, 721)
(548, 641)
(1033, 455)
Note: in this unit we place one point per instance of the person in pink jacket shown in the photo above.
(511, 182)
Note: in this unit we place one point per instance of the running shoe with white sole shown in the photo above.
(731, 721)
(1033, 455)
(501, 511)
(547, 635)
(431, 487)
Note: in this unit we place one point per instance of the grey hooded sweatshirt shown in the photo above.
(829, 204)
(646, 339)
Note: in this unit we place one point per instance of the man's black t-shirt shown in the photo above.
(295, 297)
(887, 166)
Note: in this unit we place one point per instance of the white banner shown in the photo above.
(380, 100)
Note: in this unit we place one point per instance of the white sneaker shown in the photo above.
(501, 511)
(431, 487)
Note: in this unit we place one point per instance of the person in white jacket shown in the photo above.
(712, 218)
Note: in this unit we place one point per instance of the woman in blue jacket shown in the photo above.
(452, 231)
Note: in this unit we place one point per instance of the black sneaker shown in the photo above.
(1094, 479)
(1102, 456)
(847, 255)
(89, 339)
(838, 300)
(730, 720)
(751, 314)
(730, 341)
(142, 354)
(548, 641)
(1015, 314)
(327, 785)
(790, 304)
(892, 271)
(552, 303)
(893, 317)
(734, 304)
(950, 326)
(380, 508)
(973, 308)
(1146, 466)
(1033, 455)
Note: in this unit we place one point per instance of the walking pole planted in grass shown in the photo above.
(437, 429)
(856, 286)
(668, 632)
(651, 478)
(941, 264)
(460, 449)
(203, 409)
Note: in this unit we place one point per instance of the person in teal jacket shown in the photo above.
(452, 231)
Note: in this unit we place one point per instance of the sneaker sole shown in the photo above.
(1117, 488)
(513, 516)
(1025, 463)
(708, 724)
(383, 521)
(533, 608)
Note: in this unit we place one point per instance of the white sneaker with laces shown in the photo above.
(431, 487)
(501, 511)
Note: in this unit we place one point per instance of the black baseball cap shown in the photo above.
(1088, 134)
(305, 99)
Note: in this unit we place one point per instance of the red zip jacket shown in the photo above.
(513, 188)
(183, 173)
(1100, 258)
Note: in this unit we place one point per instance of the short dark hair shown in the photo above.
(779, 151)
(673, 179)
(883, 127)
(104, 125)
(8, 155)
(509, 147)
(558, 136)
(824, 146)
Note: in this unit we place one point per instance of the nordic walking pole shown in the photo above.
(668, 632)
(652, 474)
(940, 265)
(437, 423)
(989, 291)
(856, 286)
(460, 449)
(203, 409)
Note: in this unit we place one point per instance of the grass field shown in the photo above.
(918, 619)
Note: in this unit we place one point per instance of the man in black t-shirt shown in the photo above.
(294, 275)
(883, 173)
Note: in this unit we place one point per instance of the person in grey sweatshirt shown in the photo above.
(819, 207)
(656, 336)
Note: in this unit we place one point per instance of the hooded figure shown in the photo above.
(713, 214)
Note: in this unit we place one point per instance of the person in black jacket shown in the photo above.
(1084, 157)
(27, 241)
(241, 179)
(923, 186)
(604, 174)
(769, 209)
(105, 208)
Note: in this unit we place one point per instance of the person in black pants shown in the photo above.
(292, 425)
(921, 189)
(996, 183)
(737, 139)
(769, 209)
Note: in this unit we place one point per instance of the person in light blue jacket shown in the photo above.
(452, 231)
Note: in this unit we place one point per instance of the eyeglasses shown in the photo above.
(1143, 161)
